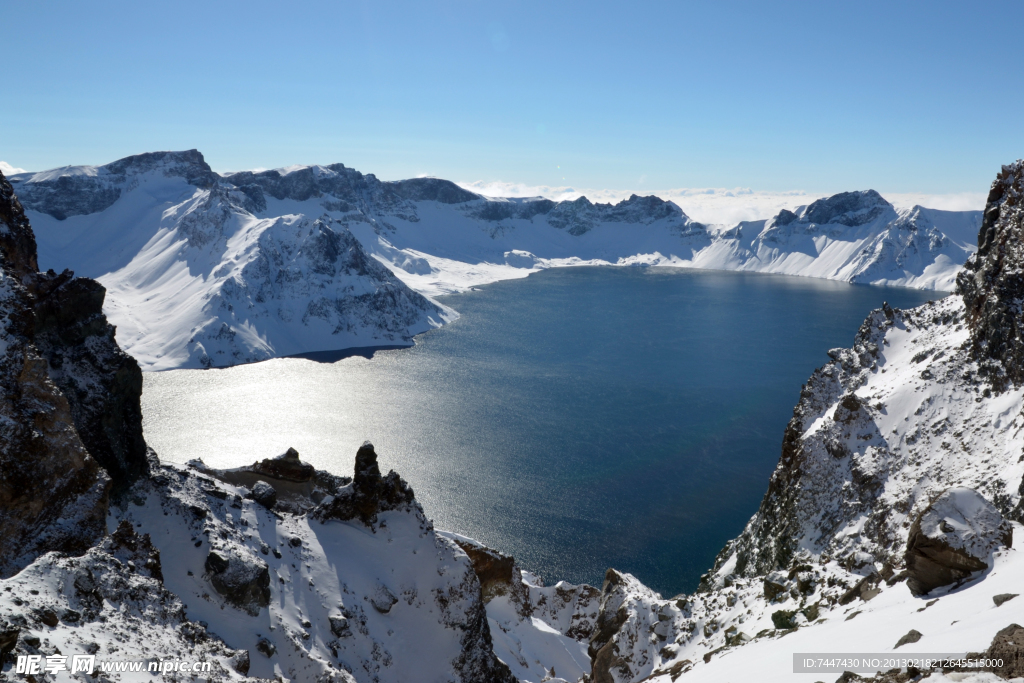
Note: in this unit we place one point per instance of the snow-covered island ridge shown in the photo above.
(203, 269)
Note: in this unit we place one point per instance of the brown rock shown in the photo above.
(952, 539)
(498, 575)
(1008, 647)
(286, 466)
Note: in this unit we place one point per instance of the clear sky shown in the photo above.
(912, 97)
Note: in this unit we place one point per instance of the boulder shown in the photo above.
(775, 585)
(264, 494)
(266, 647)
(340, 626)
(953, 538)
(912, 636)
(383, 599)
(1007, 649)
(1003, 597)
(240, 576)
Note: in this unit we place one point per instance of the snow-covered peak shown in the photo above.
(81, 190)
(846, 208)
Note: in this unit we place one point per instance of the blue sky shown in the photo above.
(904, 97)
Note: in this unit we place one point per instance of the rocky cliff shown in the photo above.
(72, 423)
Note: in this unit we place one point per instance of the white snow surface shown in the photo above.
(195, 280)
(206, 270)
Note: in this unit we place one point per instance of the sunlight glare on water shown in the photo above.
(578, 419)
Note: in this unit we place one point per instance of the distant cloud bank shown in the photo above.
(722, 205)
(7, 169)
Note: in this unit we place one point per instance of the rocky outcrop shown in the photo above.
(498, 574)
(71, 605)
(636, 631)
(103, 384)
(368, 494)
(992, 281)
(953, 538)
(286, 466)
(53, 493)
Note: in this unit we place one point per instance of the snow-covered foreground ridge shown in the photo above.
(203, 269)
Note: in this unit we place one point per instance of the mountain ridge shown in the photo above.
(170, 240)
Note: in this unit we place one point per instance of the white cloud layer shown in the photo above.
(7, 169)
(722, 205)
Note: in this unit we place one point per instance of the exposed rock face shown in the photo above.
(992, 281)
(632, 625)
(286, 466)
(498, 573)
(368, 494)
(52, 492)
(952, 538)
(103, 384)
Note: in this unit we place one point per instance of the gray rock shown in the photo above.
(264, 494)
(383, 599)
(1003, 597)
(240, 576)
(911, 637)
(266, 647)
(953, 538)
(240, 662)
(340, 626)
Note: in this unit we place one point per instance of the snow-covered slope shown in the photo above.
(209, 270)
(194, 279)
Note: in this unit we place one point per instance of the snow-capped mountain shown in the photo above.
(890, 521)
(195, 279)
(203, 269)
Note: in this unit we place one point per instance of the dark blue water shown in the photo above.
(579, 419)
